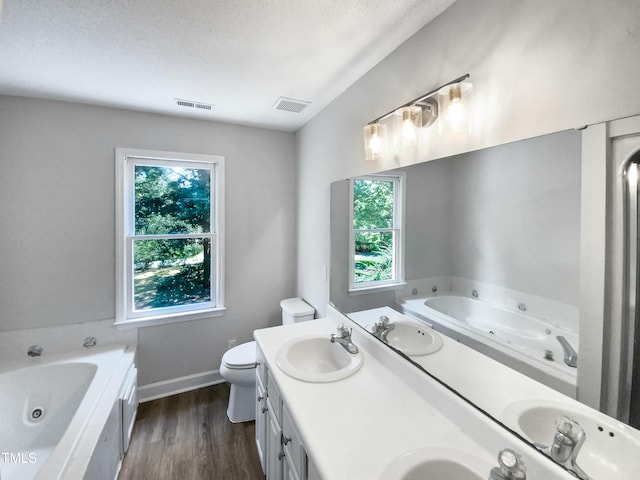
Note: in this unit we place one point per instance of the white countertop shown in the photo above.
(490, 384)
(355, 427)
(502, 392)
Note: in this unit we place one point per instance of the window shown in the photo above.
(169, 236)
(375, 246)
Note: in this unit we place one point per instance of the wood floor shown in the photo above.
(188, 437)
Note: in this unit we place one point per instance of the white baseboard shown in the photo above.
(174, 386)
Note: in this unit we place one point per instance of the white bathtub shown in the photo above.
(509, 336)
(52, 410)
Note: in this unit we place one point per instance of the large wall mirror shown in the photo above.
(491, 244)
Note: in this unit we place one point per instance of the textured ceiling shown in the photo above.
(239, 55)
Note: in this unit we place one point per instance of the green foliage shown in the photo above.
(369, 268)
(188, 286)
(372, 204)
(163, 253)
(373, 209)
(171, 200)
(171, 286)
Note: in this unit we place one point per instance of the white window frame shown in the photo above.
(126, 160)
(397, 229)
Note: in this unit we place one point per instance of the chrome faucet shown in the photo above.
(511, 467)
(566, 444)
(34, 351)
(570, 355)
(382, 328)
(344, 338)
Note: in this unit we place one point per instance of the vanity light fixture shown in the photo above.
(421, 112)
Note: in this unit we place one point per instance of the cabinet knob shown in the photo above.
(280, 455)
(260, 398)
(285, 440)
(264, 409)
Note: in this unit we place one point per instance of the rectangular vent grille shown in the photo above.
(290, 105)
(193, 104)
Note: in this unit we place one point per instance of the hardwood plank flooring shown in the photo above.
(189, 437)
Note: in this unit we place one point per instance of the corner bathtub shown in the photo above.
(50, 407)
(509, 336)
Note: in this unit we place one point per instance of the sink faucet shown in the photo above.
(570, 355)
(382, 328)
(511, 467)
(344, 338)
(566, 444)
(34, 351)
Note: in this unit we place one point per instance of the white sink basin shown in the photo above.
(413, 339)
(436, 464)
(610, 450)
(313, 358)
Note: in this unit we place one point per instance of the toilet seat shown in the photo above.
(241, 357)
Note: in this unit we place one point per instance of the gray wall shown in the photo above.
(515, 217)
(57, 174)
(428, 220)
(538, 66)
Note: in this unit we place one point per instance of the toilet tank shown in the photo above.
(296, 310)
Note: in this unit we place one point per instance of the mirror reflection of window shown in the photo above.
(375, 247)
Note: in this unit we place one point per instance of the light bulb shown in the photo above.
(408, 119)
(454, 110)
(408, 128)
(375, 144)
(455, 115)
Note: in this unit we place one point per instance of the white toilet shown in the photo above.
(238, 365)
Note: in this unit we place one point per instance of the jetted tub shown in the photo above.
(53, 410)
(509, 336)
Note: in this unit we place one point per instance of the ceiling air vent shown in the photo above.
(193, 104)
(290, 105)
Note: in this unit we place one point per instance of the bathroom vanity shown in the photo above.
(385, 419)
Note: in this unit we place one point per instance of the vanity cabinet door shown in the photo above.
(274, 447)
(289, 471)
(312, 471)
(262, 417)
(292, 446)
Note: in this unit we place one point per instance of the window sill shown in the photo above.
(128, 324)
(376, 289)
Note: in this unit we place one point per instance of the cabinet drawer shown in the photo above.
(261, 366)
(273, 397)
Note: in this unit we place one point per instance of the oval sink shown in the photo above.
(610, 449)
(436, 464)
(315, 359)
(414, 339)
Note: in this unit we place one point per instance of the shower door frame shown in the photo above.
(607, 283)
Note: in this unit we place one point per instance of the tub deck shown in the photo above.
(59, 446)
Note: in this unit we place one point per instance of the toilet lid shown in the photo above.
(242, 356)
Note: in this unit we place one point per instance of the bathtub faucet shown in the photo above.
(570, 355)
(382, 328)
(34, 351)
(566, 444)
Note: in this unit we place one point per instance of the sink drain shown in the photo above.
(36, 413)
